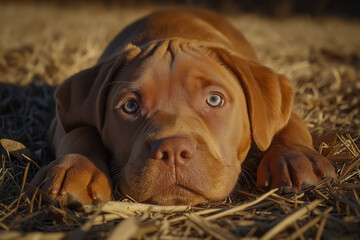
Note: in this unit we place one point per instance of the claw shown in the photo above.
(266, 183)
(54, 190)
(285, 189)
(63, 191)
(92, 194)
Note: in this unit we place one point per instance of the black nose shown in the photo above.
(173, 150)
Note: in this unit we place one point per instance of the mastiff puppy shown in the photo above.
(168, 115)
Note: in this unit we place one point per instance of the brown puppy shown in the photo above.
(168, 115)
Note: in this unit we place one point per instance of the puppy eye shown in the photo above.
(214, 100)
(130, 106)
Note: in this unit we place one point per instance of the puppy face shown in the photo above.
(177, 125)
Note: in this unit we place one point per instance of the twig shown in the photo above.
(22, 185)
(290, 219)
(241, 207)
(322, 223)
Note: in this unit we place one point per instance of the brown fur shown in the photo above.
(176, 149)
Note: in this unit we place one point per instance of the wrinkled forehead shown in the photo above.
(171, 68)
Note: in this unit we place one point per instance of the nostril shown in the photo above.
(186, 154)
(165, 156)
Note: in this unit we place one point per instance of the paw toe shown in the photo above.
(293, 169)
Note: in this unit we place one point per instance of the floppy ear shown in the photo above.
(80, 100)
(268, 95)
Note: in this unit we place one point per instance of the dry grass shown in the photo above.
(48, 43)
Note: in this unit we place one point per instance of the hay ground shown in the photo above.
(42, 44)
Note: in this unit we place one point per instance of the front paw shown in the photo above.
(292, 168)
(73, 179)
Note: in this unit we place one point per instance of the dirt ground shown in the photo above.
(43, 44)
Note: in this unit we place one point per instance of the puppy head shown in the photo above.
(178, 118)
(176, 123)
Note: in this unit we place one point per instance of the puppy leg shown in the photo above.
(80, 173)
(291, 163)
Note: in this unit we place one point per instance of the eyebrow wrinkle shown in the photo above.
(172, 54)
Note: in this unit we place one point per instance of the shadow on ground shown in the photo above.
(25, 115)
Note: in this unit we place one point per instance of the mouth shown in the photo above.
(177, 194)
(181, 190)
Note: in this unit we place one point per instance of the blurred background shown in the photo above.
(276, 8)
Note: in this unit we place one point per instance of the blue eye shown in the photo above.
(130, 106)
(214, 101)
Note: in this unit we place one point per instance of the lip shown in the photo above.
(181, 190)
(177, 194)
(172, 190)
